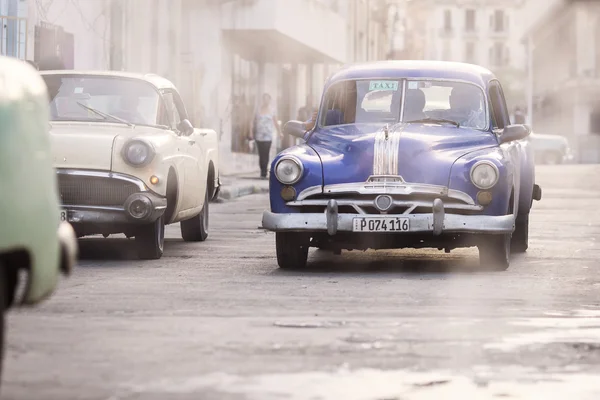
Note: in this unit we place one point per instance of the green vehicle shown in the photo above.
(550, 149)
(35, 247)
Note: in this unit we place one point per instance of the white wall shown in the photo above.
(87, 20)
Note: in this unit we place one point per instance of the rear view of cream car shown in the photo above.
(128, 159)
(33, 243)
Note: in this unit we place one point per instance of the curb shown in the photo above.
(236, 191)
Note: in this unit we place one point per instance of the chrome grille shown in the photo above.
(94, 191)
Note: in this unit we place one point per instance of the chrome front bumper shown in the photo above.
(98, 215)
(436, 222)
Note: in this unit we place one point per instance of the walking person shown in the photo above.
(263, 127)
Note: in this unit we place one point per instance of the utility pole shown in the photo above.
(530, 81)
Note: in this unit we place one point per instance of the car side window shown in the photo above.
(171, 110)
(498, 106)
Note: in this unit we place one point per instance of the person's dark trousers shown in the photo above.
(263, 156)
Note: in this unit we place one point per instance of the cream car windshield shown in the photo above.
(102, 99)
(381, 101)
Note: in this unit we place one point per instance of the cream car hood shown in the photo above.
(80, 145)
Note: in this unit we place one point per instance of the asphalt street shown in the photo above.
(218, 320)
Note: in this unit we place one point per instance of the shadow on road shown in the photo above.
(397, 262)
(120, 249)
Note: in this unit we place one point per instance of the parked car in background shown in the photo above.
(550, 149)
(128, 158)
(33, 243)
(405, 154)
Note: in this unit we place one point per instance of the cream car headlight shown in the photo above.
(484, 175)
(288, 170)
(138, 153)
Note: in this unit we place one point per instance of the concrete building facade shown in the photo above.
(564, 50)
(222, 54)
(483, 32)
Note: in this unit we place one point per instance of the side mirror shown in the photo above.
(185, 127)
(514, 132)
(294, 128)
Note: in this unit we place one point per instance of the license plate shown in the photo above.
(380, 224)
(63, 215)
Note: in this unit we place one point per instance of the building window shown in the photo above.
(470, 20)
(498, 22)
(498, 55)
(470, 53)
(447, 20)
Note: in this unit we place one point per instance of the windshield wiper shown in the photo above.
(435, 121)
(105, 115)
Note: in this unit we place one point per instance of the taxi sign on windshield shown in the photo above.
(383, 85)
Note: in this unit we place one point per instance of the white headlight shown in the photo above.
(137, 153)
(484, 175)
(288, 171)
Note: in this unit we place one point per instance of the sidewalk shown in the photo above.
(234, 186)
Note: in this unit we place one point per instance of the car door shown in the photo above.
(501, 119)
(195, 176)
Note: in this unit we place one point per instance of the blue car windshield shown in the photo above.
(382, 101)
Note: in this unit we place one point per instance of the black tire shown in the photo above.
(552, 158)
(292, 250)
(494, 252)
(196, 229)
(520, 238)
(150, 240)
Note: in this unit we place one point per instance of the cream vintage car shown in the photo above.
(128, 159)
(34, 246)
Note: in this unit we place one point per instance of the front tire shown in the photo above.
(292, 250)
(150, 240)
(520, 237)
(494, 252)
(196, 229)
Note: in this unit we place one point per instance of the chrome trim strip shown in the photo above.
(104, 174)
(310, 191)
(386, 149)
(94, 208)
(405, 189)
(412, 204)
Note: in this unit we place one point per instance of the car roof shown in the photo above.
(155, 80)
(415, 69)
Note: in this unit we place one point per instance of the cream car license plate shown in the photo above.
(380, 224)
(63, 216)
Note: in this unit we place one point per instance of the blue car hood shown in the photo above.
(425, 153)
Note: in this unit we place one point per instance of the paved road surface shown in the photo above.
(217, 320)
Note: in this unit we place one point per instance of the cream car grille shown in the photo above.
(94, 191)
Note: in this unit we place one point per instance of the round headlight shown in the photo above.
(484, 175)
(138, 153)
(288, 171)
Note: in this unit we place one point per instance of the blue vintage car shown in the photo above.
(405, 154)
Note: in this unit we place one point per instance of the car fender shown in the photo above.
(311, 181)
(211, 153)
(527, 177)
(460, 177)
(168, 155)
